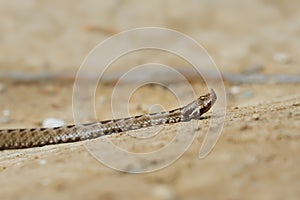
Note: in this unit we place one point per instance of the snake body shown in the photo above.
(35, 137)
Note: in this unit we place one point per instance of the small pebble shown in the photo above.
(234, 90)
(5, 116)
(282, 58)
(163, 192)
(6, 113)
(42, 162)
(255, 116)
(53, 122)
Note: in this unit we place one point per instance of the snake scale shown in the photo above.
(36, 137)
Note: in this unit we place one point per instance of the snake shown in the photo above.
(37, 137)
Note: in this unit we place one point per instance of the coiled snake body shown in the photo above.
(35, 137)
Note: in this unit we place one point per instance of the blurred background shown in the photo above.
(57, 35)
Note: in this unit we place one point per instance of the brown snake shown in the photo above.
(35, 137)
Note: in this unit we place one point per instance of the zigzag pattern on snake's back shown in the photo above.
(35, 137)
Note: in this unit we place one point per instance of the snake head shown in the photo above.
(200, 106)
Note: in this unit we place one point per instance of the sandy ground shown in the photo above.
(256, 155)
